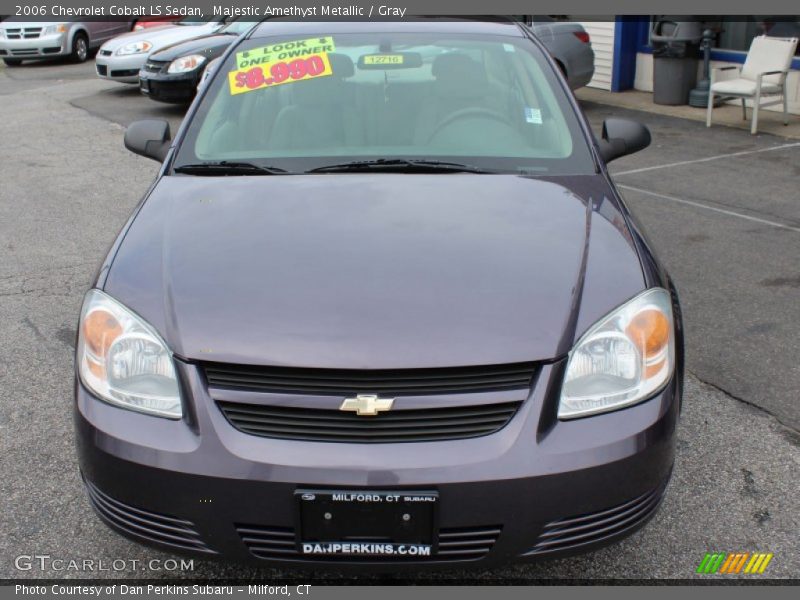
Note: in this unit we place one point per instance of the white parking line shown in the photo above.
(730, 213)
(701, 160)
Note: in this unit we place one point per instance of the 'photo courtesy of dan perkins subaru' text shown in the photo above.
(301, 296)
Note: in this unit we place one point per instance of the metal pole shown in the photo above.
(699, 95)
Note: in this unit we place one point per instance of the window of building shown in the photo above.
(736, 33)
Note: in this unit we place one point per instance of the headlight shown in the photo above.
(50, 29)
(134, 48)
(186, 63)
(124, 361)
(623, 359)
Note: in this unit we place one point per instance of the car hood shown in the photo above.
(374, 271)
(209, 46)
(14, 24)
(160, 36)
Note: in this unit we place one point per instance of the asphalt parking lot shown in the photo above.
(721, 207)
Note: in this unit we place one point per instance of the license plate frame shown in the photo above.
(367, 522)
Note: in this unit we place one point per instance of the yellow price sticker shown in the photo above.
(284, 51)
(279, 72)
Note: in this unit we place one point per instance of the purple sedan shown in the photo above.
(382, 307)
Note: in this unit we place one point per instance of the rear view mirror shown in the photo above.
(622, 137)
(148, 138)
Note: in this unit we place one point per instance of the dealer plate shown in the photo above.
(356, 523)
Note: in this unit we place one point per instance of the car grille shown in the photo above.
(575, 532)
(125, 73)
(455, 544)
(26, 33)
(426, 425)
(392, 382)
(147, 525)
(269, 542)
(467, 543)
(102, 70)
(155, 66)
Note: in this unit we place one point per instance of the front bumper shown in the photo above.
(47, 46)
(123, 69)
(179, 88)
(536, 488)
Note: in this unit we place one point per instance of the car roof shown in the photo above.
(274, 27)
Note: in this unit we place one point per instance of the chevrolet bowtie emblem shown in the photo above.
(367, 405)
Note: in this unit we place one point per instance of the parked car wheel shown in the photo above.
(80, 48)
(12, 62)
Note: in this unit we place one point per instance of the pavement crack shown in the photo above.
(26, 274)
(34, 328)
(744, 401)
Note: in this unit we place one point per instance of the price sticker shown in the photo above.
(285, 51)
(279, 72)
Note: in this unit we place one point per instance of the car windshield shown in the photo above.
(487, 101)
(237, 27)
(193, 20)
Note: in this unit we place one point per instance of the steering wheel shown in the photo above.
(472, 111)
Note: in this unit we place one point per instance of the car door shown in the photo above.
(94, 29)
(102, 31)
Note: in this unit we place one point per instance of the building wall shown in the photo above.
(601, 34)
(644, 81)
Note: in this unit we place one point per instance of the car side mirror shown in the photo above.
(622, 137)
(150, 138)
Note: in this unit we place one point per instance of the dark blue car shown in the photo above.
(173, 73)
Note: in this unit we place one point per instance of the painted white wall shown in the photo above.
(644, 81)
(601, 34)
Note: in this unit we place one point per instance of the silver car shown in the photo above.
(569, 44)
(121, 58)
(21, 40)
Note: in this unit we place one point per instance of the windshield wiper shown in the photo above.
(399, 164)
(228, 168)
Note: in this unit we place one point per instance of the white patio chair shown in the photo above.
(763, 74)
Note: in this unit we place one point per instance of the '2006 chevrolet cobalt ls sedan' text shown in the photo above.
(382, 307)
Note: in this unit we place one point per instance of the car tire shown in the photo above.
(80, 48)
(12, 62)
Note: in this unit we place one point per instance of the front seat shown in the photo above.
(322, 112)
(460, 82)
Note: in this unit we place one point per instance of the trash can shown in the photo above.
(676, 51)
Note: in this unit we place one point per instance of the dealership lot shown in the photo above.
(728, 228)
